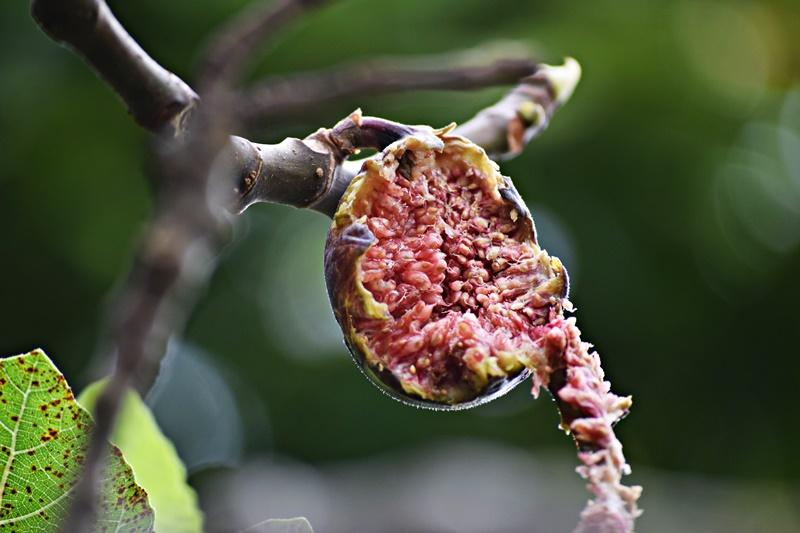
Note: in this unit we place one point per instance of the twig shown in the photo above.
(231, 48)
(155, 97)
(505, 128)
(286, 95)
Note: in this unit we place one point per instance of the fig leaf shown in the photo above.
(155, 462)
(44, 435)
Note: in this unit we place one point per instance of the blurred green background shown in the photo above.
(670, 186)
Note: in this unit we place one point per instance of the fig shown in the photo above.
(435, 275)
(447, 301)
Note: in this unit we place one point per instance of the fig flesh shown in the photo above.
(447, 301)
(436, 277)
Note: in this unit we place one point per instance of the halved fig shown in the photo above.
(435, 275)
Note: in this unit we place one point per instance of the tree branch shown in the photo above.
(313, 173)
(502, 130)
(157, 98)
(154, 96)
(505, 128)
(199, 168)
(306, 173)
(231, 48)
(177, 253)
(174, 258)
(286, 95)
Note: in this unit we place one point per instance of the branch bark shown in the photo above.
(177, 253)
(158, 99)
(155, 97)
(307, 174)
(286, 95)
(175, 257)
(505, 128)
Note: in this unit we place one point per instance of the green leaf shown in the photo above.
(156, 465)
(44, 435)
(281, 525)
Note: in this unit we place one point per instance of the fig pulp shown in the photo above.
(446, 301)
(435, 275)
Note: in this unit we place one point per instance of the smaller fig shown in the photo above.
(435, 275)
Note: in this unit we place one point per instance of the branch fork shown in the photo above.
(202, 168)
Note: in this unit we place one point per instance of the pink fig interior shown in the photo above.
(467, 288)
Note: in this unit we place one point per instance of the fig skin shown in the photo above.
(350, 238)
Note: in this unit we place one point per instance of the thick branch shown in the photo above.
(175, 256)
(147, 316)
(283, 96)
(307, 172)
(504, 128)
(177, 253)
(157, 97)
(154, 96)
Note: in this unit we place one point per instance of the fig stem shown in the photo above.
(307, 172)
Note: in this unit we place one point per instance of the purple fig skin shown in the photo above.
(350, 238)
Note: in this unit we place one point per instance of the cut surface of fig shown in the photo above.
(446, 301)
(435, 274)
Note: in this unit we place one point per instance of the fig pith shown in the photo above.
(435, 275)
